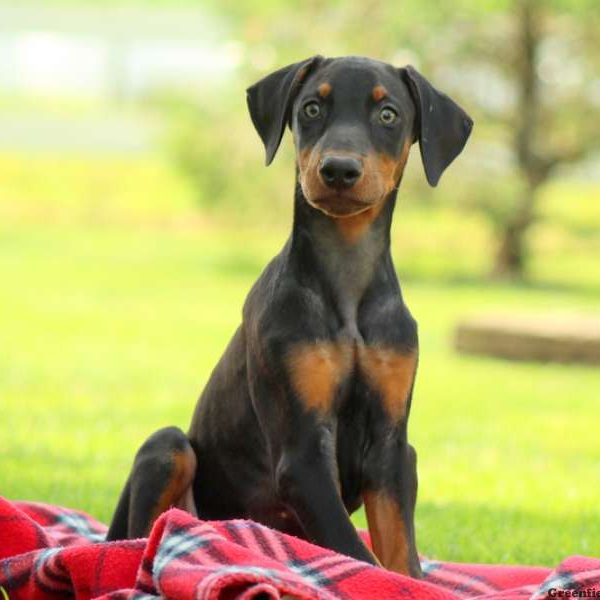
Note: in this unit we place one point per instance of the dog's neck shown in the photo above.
(342, 255)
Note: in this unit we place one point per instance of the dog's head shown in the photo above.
(354, 120)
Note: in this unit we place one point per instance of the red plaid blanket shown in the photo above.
(52, 552)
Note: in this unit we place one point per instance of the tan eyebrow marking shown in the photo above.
(379, 93)
(324, 90)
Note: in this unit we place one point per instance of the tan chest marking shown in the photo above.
(391, 373)
(317, 370)
(388, 533)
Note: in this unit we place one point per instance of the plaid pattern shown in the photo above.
(52, 552)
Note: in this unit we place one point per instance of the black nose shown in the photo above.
(340, 172)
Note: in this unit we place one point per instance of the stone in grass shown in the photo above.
(567, 338)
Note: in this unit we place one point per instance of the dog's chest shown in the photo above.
(326, 375)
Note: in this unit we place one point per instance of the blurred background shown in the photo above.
(135, 213)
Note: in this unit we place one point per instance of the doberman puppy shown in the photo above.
(305, 416)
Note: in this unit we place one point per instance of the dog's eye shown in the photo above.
(312, 110)
(388, 115)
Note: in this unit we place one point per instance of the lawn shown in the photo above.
(111, 320)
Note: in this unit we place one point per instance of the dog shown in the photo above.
(304, 418)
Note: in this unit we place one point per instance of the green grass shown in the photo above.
(109, 331)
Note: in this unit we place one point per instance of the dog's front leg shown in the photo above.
(306, 479)
(390, 499)
(292, 389)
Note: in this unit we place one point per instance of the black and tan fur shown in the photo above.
(305, 416)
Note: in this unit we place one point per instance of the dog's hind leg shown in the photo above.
(161, 477)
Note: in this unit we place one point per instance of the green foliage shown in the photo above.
(215, 147)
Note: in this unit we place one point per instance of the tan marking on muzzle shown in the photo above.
(392, 168)
(381, 174)
(390, 172)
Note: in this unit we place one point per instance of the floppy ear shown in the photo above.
(270, 101)
(443, 127)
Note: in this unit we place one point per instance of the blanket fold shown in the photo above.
(53, 552)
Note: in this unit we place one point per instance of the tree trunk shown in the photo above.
(511, 255)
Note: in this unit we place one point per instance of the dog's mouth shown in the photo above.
(339, 204)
